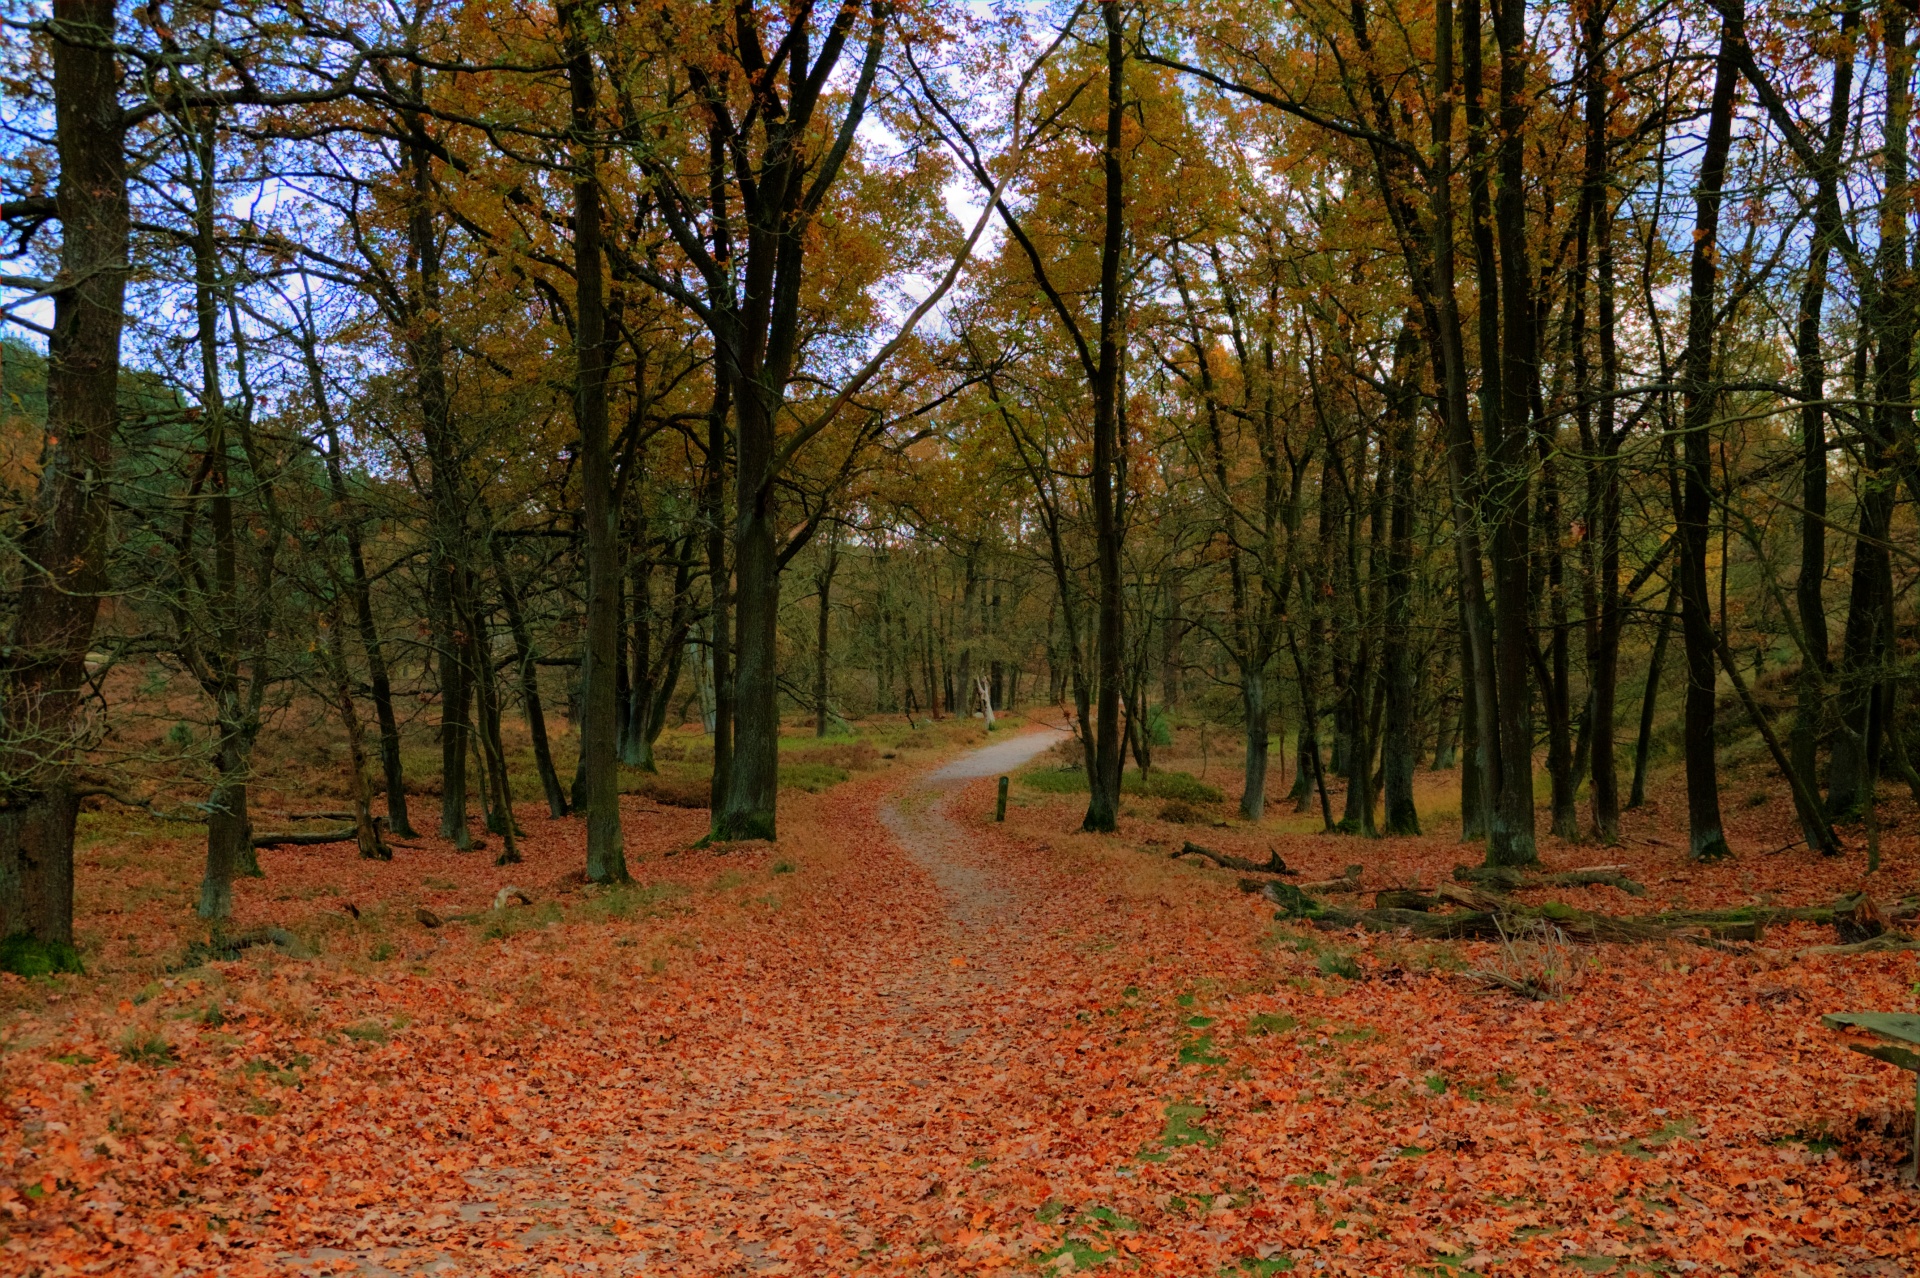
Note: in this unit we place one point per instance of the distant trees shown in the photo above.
(1383, 380)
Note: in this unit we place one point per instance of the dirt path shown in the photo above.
(811, 1100)
(917, 818)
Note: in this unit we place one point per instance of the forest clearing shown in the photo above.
(912, 636)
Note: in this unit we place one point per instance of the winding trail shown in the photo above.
(982, 906)
(809, 1099)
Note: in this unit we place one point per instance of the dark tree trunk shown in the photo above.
(1253, 697)
(753, 778)
(719, 605)
(1706, 841)
(1650, 698)
(606, 856)
(64, 542)
(823, 583)
(1172, 637)
(1473, 780)
(1600, 550)
(360, 589)
(366, 831)
(1555, 683)
(1510, 833)
(1103, 804)
(1398, 753)
(426, 350)
(1816, 665)
(1866, 646)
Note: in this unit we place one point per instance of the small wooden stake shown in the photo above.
(1000, 804)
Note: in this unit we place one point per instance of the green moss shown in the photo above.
(25, 955)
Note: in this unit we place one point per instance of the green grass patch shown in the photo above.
(25, 955)
(1183, 1127)
(1199, 1051)
(813, 777)
(1183, 786)
(144, 1047)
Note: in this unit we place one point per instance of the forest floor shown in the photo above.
(908, 1039)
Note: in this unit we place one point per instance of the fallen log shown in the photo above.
(1506, 878)
(1488, 925)
(224, 947)
(1599, 876)
(308, 839)
(1470, 898)
(1227, 861)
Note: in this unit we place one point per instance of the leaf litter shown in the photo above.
(1086, 1058)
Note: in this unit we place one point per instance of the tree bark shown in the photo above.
(1103, 802)
(823, 583)
(606, 856)
(1398, 753)
(1706, 841)
(427, 351)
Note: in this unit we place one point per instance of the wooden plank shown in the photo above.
(1901, 1027)
(1892, 1055)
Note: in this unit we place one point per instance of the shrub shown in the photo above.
(1179, 811)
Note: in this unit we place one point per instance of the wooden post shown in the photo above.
(1000, 803)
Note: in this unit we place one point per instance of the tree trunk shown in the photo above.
(1397, 750)
(1650, 699)
(719, 607)
(1706, 841)
(1510, 833)
(1103, 803)
(64, 547)
(823, 583)
(1473, 779)
(229, 830)
(606, 856)
(753, 780)
(1865, 647)
(366, 832)
(1253, 697)
(1816, 665)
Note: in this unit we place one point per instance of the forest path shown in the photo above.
(978, 900)
(814, 1095)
